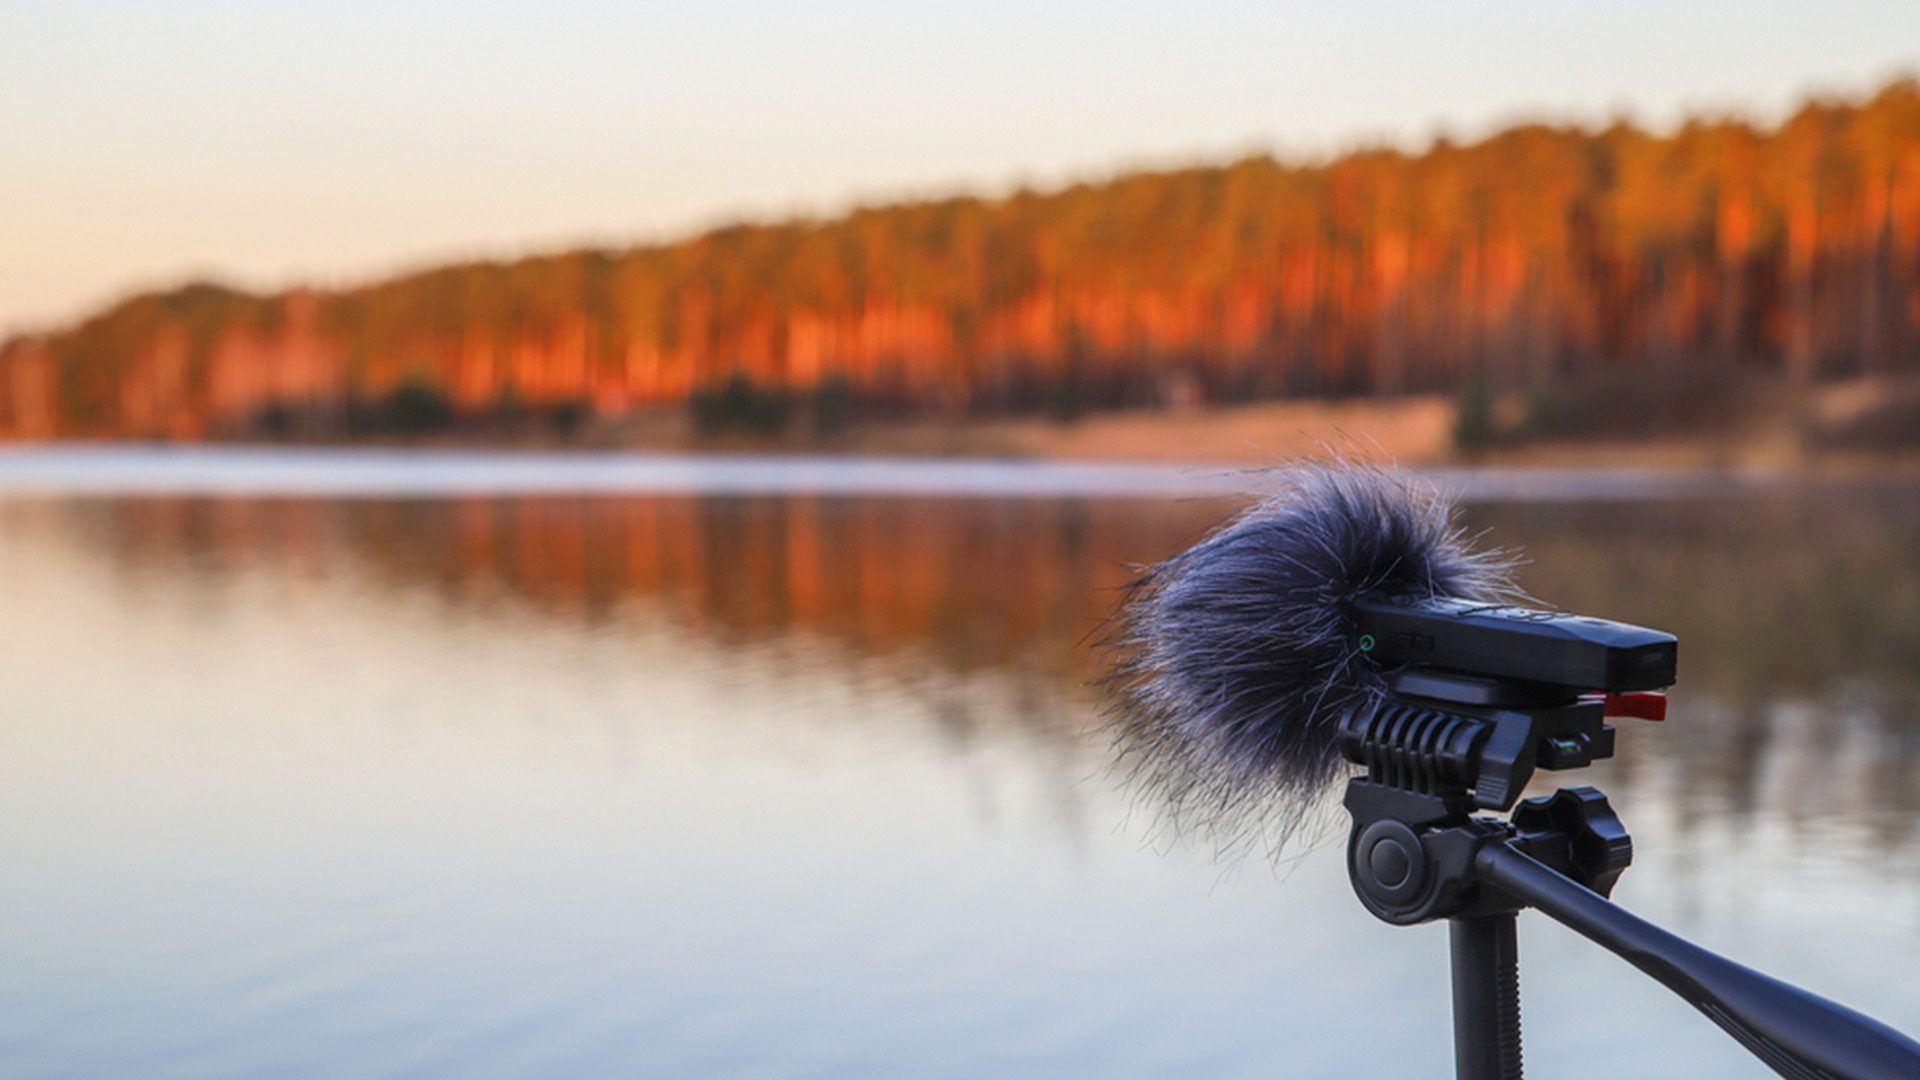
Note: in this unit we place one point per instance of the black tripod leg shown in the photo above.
(1486, 998)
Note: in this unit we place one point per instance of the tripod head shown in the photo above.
(1478, 697)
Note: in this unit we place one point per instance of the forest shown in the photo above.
(1538, 259)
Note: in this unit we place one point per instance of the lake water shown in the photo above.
(762, 777)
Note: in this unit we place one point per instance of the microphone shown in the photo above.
(1232, 664)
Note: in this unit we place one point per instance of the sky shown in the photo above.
(268, 144)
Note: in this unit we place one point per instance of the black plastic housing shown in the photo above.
(1555, 648)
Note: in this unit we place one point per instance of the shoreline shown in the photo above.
(122, 470)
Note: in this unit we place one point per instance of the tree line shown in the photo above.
(1537, 258)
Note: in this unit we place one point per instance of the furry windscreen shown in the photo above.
(1233, 662)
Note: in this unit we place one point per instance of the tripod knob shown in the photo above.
(1388, 864)
(1576, 831)
(1410, 855)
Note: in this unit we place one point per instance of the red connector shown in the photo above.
(1638, 705)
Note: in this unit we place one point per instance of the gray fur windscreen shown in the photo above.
(1232, 663)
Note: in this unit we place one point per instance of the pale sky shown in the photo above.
(265, 143)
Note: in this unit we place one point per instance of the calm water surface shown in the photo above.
(773, 785)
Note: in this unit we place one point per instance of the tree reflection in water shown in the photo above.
(1799, 615)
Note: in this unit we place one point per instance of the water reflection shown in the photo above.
(798, 786)
(1787, 607)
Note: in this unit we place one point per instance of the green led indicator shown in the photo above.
(1366, 642)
